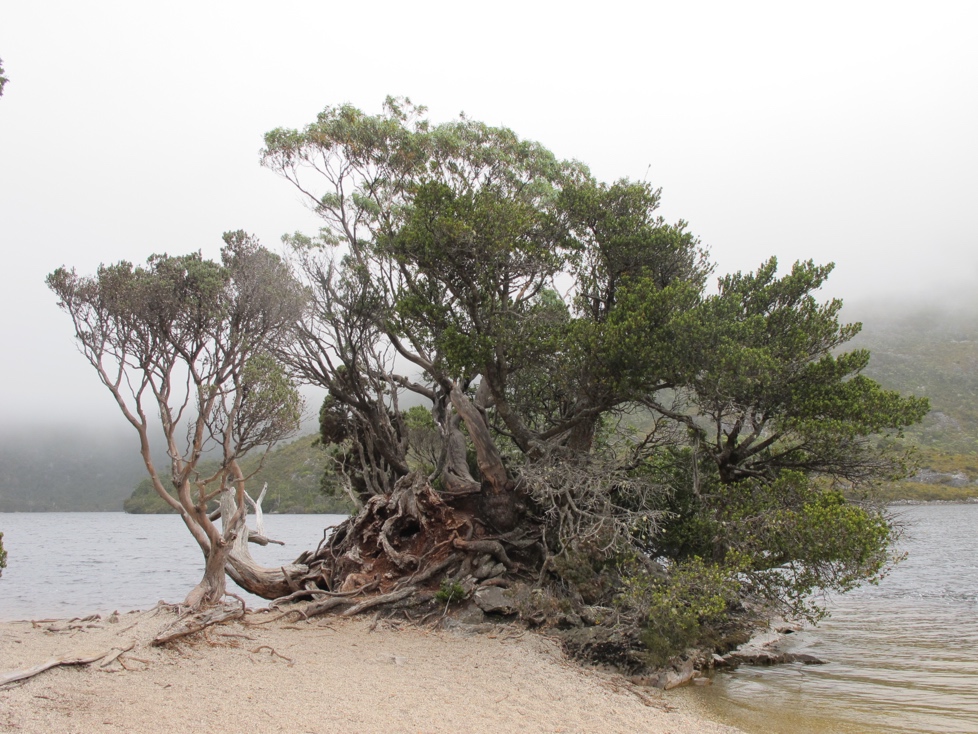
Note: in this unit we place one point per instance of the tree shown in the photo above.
(546, 317)
(3, 78)
(193, 341)
(599, 428)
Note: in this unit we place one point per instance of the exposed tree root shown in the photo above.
(114, 655)
(274, 652)
(193, 622)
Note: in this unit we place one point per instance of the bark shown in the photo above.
(498, 503)
(211, 589)
(196, 622)
(396, 552)
(581, 435)
(455, 473)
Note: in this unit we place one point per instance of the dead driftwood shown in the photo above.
(108, 656)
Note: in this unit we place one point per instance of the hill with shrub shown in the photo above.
(293, 472)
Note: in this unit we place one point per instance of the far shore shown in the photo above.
(896, 501)
(274, 673)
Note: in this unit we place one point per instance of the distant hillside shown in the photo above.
(293, 473)
(65, 469)
(933, 354)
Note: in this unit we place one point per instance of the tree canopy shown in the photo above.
(583, 382)
(187, 346)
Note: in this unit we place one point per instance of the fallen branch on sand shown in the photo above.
(19, 675)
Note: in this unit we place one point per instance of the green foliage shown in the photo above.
(774, 392)
(590, 572)
(193, 342)
(3, 555)
(784, 539)
(682, 609)
(450, 592)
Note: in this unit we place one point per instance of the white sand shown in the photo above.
(324, 675)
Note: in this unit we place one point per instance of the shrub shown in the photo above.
(682, 609)
(450, 592)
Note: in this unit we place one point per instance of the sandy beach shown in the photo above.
(321, 675)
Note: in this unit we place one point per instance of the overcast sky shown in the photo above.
(841, 132)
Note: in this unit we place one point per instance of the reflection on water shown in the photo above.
(77, 563)
(903, 656)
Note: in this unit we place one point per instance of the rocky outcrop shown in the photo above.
(950, 479)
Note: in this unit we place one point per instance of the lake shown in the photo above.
(902, 656)
(68, 564)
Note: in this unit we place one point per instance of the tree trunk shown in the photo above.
(495, 479)
(213, 586)
(581, 435)
(456, 477)
(268, 583)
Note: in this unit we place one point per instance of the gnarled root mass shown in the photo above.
(402, 547)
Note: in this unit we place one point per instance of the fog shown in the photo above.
(834, 131)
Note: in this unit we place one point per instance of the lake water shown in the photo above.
(902, 656)
(68, 564)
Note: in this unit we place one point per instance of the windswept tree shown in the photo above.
(599, 428)
(186, 346)
(597, 416)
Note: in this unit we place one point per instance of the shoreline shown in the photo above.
(897, 502)
(270, 673)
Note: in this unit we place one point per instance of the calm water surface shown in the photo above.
(68, 564)
(902, 656)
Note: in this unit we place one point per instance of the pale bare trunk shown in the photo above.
(455, 475)
(494, 476)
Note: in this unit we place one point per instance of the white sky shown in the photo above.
(843, 132)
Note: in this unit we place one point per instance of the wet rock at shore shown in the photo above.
(766, 657)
